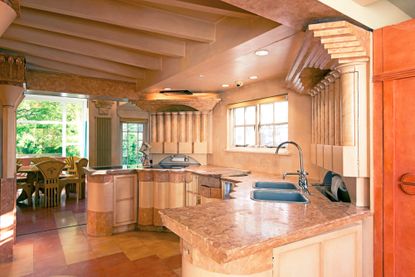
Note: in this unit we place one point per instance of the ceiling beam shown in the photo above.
(82, 46)
(211, 7)
(294, 13)
(74, 59)
(130, 16)
(73, 83)
(72, 69)
(102, 32)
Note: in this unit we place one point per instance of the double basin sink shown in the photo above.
(285, 192)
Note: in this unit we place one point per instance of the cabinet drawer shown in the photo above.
(204, 191)
(209, 181)
(216, 193)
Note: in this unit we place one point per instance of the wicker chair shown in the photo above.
(78, 179)
(27, 187)
(50, 184)
(41, 159)
(70, 164)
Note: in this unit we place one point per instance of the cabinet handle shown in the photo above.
(407, 183)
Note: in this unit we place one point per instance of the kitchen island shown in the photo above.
(241, 236)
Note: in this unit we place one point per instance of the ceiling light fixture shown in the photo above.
(167, 89)
(225, 85)
(201, 76)
(261, 52)
(253, 77)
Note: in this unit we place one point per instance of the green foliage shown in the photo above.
(132, 139)
(45, 137)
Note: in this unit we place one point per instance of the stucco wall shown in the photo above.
(299, 130)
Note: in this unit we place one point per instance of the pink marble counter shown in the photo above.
(231, 229)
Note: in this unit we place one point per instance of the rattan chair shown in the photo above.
(70, 164)
(78, 179)
(41, 159)
(51, 186)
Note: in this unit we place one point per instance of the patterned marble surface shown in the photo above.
(202, 170)
(231, 229)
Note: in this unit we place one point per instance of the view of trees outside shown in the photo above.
(132, 139)
(50, 127)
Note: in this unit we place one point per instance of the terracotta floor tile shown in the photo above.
(173, 262)
(71, 252)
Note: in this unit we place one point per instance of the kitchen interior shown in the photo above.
(257, 136)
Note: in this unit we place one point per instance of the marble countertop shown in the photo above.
(224, 172)
(231, 229)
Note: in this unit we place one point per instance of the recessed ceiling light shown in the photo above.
(201, 75)
(167, 89)
(225, 85)
(262, 52)
(254, 77)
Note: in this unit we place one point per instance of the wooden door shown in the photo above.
(394, 149)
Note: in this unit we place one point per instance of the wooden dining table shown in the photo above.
(32, 178)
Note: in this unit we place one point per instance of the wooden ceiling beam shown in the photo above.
(130, 16)
(72, 69)
(101, 32)
(73, 83)
(211, 7)
(74, 59)
(82, 46)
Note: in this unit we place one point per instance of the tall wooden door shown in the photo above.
(394, 150)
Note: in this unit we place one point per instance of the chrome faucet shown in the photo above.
(302, 174)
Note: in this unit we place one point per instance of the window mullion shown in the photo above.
(63, 129)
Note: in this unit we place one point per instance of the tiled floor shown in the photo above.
(71, 252)
(32, 219)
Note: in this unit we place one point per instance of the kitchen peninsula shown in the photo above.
(233, 236)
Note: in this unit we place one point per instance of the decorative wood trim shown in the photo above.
(326, 46)
(12, 69)
(394, 75)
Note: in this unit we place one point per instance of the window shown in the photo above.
(132, 139)
(51, 125)
(260, 123)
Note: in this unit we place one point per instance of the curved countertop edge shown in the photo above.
(221, 255)
(218, 171)
(214, 228)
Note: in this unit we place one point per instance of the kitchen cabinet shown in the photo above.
(337, 253)
(125, 199)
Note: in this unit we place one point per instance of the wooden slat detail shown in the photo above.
(327, 45)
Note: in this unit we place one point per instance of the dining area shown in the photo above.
(42, 181)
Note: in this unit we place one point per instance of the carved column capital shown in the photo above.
(12, 70)
(103, 107)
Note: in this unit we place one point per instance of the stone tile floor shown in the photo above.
(32, 219)
(71, 252)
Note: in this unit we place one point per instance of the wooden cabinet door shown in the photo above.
(125, 199)
(334, 254)
(394, 152)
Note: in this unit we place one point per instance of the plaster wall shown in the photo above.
(299, 130)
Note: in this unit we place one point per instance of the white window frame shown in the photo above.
(136, 121)
(82, 124)
(231, 126)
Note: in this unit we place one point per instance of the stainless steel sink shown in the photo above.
(274, 185)
(279, 196)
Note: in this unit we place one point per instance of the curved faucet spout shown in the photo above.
(300, 151)
(302, 180)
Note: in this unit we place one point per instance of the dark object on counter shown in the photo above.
(334, 188)
(177, 161)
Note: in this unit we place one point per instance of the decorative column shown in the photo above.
(188, 147)
(158, 132)
(8, 13)
(12, 72)
(185, 147)
(200, 143)
(170, 147)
